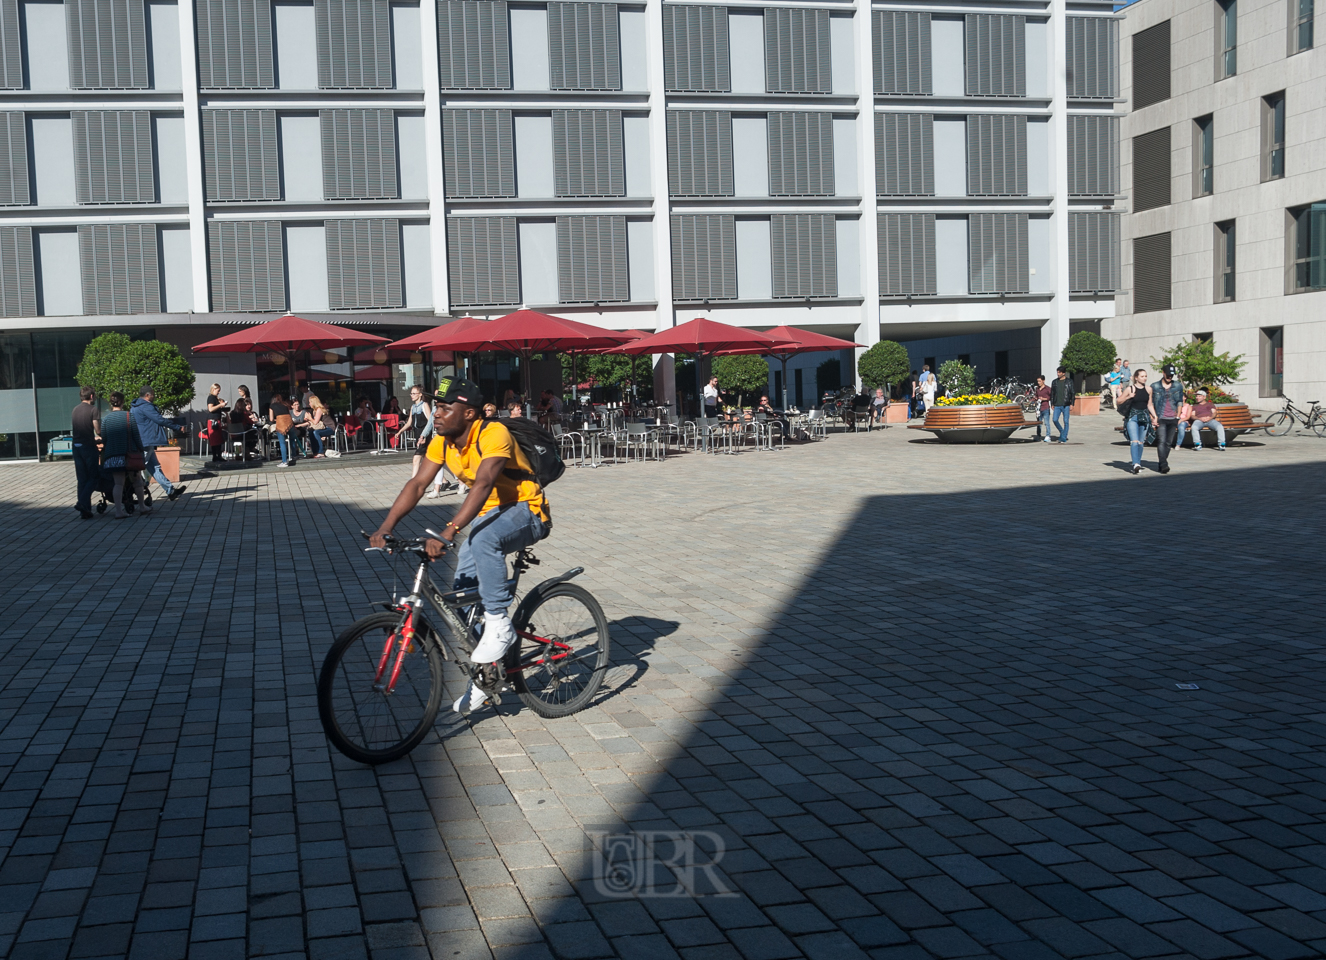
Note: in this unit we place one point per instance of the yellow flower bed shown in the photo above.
(977, 400)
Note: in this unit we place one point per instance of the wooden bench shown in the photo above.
(974, 424)
(1236, 418)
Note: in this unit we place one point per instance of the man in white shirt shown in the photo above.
(711, 398)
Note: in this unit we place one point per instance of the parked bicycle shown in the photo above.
(381, 684)
(1282, 421)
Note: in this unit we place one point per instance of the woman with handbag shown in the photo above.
(1138, 411)
(278, 414)
(122, 452)
(322, 426)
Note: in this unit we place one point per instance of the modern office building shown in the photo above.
(942, 174)
(1224, 160)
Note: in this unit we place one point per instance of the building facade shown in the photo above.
(944, 175)
(1225, 153)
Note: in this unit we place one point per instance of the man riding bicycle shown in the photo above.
(505, 503)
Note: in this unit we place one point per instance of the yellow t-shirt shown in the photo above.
(463, 460)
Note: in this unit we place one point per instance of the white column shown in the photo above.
(1055, 332)
(665, 385)
(437, 192)
(868, 241)
(193, 160)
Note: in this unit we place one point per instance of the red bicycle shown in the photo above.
(381, 684)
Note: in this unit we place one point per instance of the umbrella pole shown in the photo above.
(783, 358)
(699, 396)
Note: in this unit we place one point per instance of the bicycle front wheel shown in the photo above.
(1278, 424)
(562, 653)
(1318, 423)
(367, 715)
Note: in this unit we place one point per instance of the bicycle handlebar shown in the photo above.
(405, 544)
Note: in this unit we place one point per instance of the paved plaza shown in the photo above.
(872, 696)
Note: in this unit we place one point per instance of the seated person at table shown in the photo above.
(1203, 415)
(490, 411)
(878, 405)
(550, 404)
(242, 421)
(767, 409)
(299, 415)
(515, 410)
(321, 424)
(368, 418)
(393, 406)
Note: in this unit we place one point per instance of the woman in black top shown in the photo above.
(242, 422)
(216, 431)
(278, 415)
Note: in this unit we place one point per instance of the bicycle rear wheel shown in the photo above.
(1278, 424)
(372, 720)
(562, 653)
(1318, 423)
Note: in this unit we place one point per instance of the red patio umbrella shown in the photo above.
(286, 335)
(704, 338)
(420, 341)
(801, 341)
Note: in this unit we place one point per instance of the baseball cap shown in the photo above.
(451, 390)
(1169, 370)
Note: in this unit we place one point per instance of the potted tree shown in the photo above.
(1198, 365)
(1087, 354)
(744, 375)
(113, 362)
(883, 365)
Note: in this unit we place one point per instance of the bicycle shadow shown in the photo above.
(633, 640)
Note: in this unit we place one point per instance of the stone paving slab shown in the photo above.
(871, 697)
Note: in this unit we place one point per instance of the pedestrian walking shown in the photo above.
(1134, 405)
(121, 442)
(152, 427)
(1061, 400)
(85, 433)
(928, 385)
(1042, 395)
(1166, 402)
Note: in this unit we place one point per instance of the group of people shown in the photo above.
(122, 444)
(299, 424)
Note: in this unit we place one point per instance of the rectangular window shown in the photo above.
(1307, 241)
(247, 262)
(354, 44)
(588, 159)
(473, 45)
(592, 265)
(996, 48)
(363, 264)
(700, 153)
(1301, 13)
(1151, 169)
(907, 254)
(1151, 65)
(478, 153)
(584, 46)
(1093, 156)
(1093, 57)
(800, 154)
(704, 257)
(234, 44)
(18, 281)
(1203, 156)
(120, 268)
(1227, 38)
(113, 156)
(358, 154)
(798, 53)
(482, 261)
(241, 160)
(1273, 136)
(107, 44)
(1271, 369)
(696, 54)
(1151, 273)
(1223, 267)
(902, 52)
(1093, 252)
(11, 47)
(996, 155)
(14, 179)
(805, 255)
(998, 253)
(905, 154)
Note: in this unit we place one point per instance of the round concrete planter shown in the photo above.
(974, 424)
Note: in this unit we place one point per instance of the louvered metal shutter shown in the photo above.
(591, 260)
(797, 54)
(700, 153)
(584, 46)
(1151, 65)
(1093, 252)
(996, 155)
(120, 272)
(363, 264)
(482, 261)
(1093, 57)
(1151, 169)
(800, 154)
(479, 153)
(14, 178)
(902, 52)
(473, 45)
(1151, 273)
(588, 157)
(804, 247)
(1093, 156)
(18, 280)
(704, 257)
(113, 156)
(240, 155)
(907, 254)
(998, 252)
(247, 260)
(11, 47)
(696, 54)
(905, 154)
(996, 55)
(234, 44)
(354, 44)
(358, 154)
(107, 44)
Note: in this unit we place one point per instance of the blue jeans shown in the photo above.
(1043, 420)
(283, 442)
(320, 438)
(1197, 425)
(1136, 437)
(154, 467)
(482, 557)
(1062, 424)
(87, 465)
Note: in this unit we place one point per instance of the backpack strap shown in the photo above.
(511, 473)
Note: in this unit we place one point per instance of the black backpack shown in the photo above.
(539, 446)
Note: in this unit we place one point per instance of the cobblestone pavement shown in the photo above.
(923, 696)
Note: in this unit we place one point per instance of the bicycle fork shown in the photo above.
(402, 637)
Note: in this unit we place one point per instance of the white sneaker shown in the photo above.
(498, 635)
(432, 493)
(472, 699)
